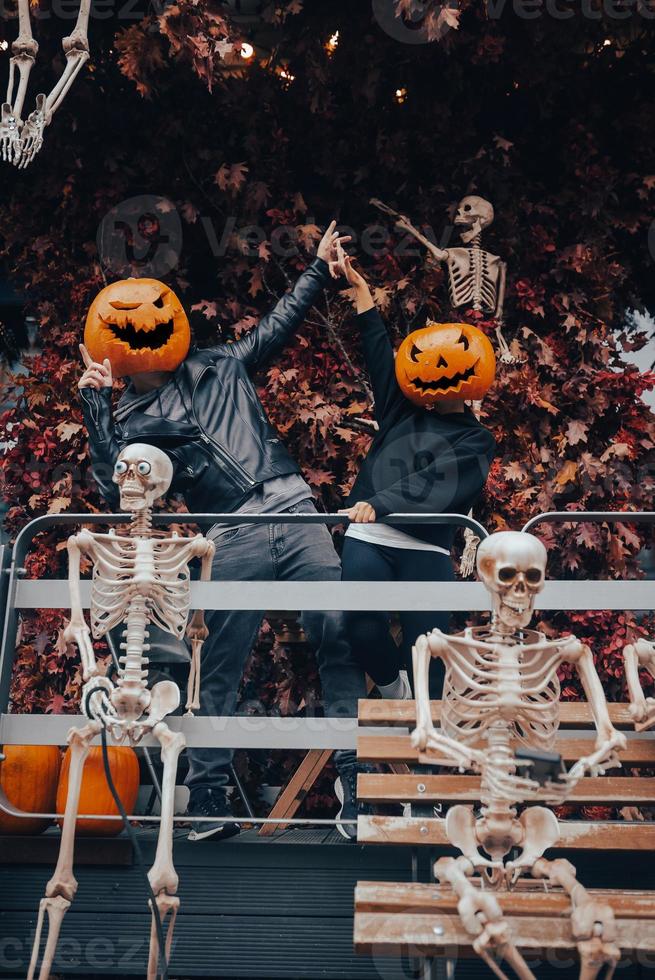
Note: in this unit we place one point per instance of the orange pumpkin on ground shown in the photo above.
(140, 325)
(443, 361)
(28, 777)
(95, 796)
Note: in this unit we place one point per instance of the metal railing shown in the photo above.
(280, 596)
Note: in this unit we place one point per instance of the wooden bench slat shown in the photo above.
(577, 835)
(398, 748)
(419, 899)
(384, 934)
(573, 714)
(391, 788)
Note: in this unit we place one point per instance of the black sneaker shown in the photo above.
(212, 803)
(345, 789)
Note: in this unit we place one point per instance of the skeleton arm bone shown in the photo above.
(403, 223)
(197, 631)
(635, 656)
(608, 739)
(77, 631)
(425, 735)
(502, 286)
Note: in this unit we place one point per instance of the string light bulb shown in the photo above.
(247, 51)
(400, 95)
(286, 76)
(4, 45)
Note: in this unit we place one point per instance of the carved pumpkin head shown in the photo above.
(443, 362)
(140, 325)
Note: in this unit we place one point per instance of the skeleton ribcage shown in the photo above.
(476, 682)
(470, 280)
(164, 580)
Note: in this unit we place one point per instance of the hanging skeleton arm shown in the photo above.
(197, 631)
(21, 140)
(636, 656)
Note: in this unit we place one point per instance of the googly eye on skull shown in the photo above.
(153, 471)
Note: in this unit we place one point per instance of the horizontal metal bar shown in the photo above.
(47, 521)
(374, 596)
(591, 517)
(235, 732)
(240, 731)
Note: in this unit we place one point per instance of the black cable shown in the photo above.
(139, 856)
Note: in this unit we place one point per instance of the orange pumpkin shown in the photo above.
(95, 796)
(28, 777)
(444, 361)
(140, 325)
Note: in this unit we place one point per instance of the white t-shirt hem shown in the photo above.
(390, 537)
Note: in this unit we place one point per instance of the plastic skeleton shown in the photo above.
(500, 689)
(637, 655)
(476, 278)
(21, 140)
(138, 578)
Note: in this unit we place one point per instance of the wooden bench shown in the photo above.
(421, 919)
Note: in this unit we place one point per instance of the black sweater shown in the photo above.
(419, 461)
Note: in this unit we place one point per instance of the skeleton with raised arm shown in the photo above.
(638, 655)
(21, 139)
(139, 577)
(500, 718)
(477, 279)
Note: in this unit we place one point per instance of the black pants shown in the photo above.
(371, 641)
(276, 552)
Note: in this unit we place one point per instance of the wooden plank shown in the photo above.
(427, 935)
(389, 788)
(577, 835)
(573, 714)
(640, 751)
(295, 791)
(419, 899)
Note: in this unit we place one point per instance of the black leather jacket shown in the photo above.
(227, 446)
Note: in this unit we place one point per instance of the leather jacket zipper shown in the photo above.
(224, 457)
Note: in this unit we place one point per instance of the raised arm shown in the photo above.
(404, 224)
(274, 330)
(378, 352)
(95, 387)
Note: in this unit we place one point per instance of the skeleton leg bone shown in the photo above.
(592, 922)
(162, 876)
(61, 888)
(482, 917)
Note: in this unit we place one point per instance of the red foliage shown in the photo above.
(544, 119)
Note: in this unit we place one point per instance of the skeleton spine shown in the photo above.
(135, 635)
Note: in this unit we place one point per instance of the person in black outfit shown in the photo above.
(421, 460)
(228, 458)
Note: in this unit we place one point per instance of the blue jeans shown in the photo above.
(373, 645)
(287, 552)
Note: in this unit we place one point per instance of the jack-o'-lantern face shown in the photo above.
(443, 362)
(140, 325)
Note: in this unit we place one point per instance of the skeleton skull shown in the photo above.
(512, 566)
(143, 474)
(474, 214)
